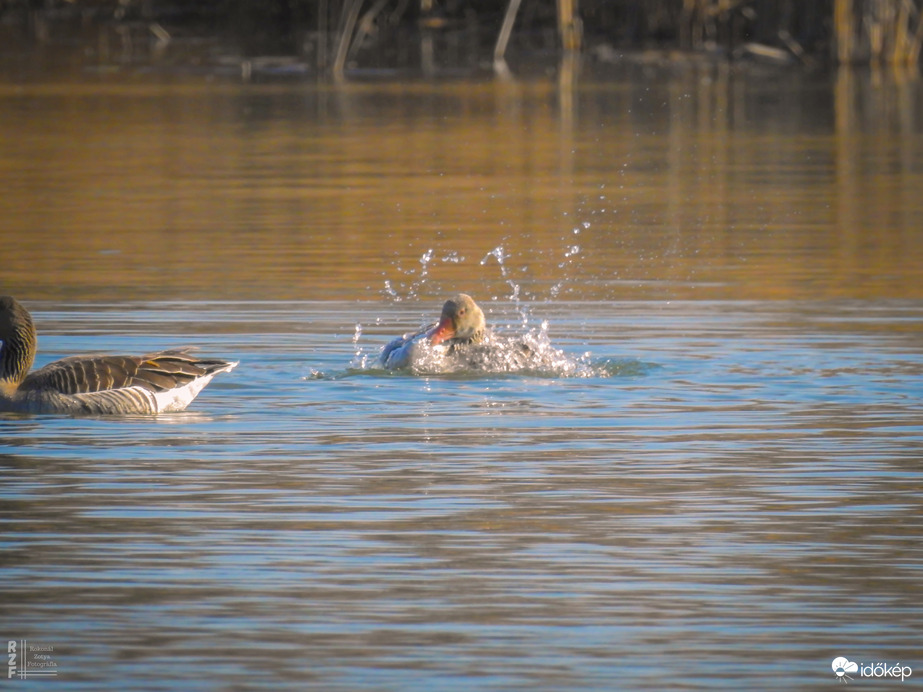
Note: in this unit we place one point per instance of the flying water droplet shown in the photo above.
(391, 293)
(498, 254)
(501, 256)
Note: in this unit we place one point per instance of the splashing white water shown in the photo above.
(360, 360)
(501, 256)
(391, 293)
(412, 290)
(571, 255)
(530, 353)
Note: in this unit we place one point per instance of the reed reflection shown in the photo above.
(685, 184)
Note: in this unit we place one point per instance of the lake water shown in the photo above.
(721, 489)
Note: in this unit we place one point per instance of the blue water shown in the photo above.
(731, 498)
(717, 486)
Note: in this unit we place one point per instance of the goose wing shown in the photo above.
(397, 353)
(157, 372)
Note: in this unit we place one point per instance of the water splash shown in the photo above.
(413, 289)
(360, 359)
(528, 354)
(572, 254)
(391, 293)
(501, 256)
(425, 259)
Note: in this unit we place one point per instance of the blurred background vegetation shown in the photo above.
(324, 35)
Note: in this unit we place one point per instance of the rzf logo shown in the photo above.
(11, 653)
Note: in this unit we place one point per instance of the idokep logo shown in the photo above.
(843, 666)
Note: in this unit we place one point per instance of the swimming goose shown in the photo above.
(156, 383)
(461, 323)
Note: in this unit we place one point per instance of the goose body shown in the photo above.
(155, 383)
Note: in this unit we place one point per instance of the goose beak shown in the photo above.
(443, 331)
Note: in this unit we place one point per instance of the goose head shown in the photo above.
(17, 341)
(462, 321)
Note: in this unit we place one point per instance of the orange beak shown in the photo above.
(443, 331)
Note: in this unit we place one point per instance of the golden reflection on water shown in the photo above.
(700, 183)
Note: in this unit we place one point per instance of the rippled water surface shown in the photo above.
(719, 486)
(741, 497)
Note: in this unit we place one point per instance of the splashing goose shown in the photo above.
(461, 323)
(156, 383)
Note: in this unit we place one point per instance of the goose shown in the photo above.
(460, 324)
(94, 384)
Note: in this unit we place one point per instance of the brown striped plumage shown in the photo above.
(165, 381)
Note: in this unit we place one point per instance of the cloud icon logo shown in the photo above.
(841, 666)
